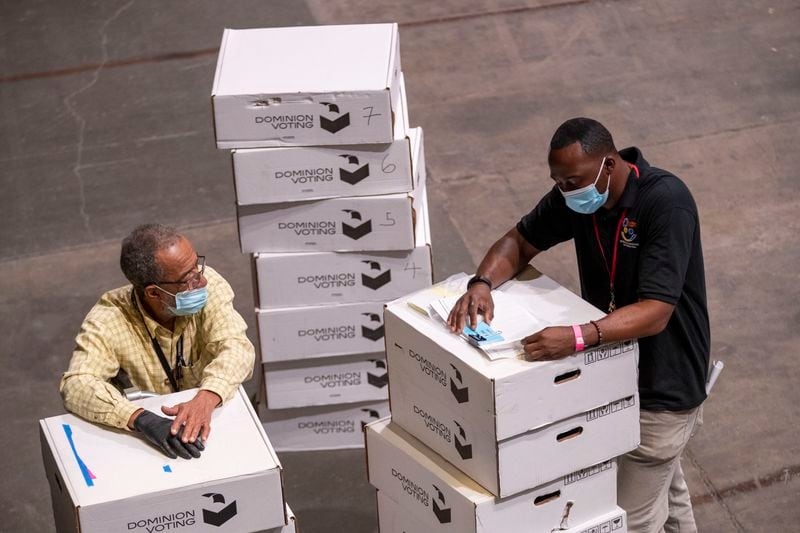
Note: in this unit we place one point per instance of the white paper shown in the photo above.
(455, 285)
(511, 320)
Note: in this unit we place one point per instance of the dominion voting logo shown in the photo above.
(370, 415)
(443, 513)
(336, 124)
(353, 173)
(220, 513)
(461, 443)
(457, 388)
(359, 228)
(372, 280)
(380, 378)
(375, 330)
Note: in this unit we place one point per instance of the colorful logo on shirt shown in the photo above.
(628, 233)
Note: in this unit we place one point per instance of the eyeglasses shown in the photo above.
(194, 278)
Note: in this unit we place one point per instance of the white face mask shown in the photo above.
(588, 200)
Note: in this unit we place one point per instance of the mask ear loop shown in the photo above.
(600, 173)
(588, 187)
(164, 291)
(165, 304)
(608, 183)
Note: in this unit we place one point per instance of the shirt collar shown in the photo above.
(631, 192)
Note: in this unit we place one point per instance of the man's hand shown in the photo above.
(193, 418)
(156, 429)
(549, 344)
(477, 299)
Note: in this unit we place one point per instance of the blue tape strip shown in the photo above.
(167, 468)
(84, 469)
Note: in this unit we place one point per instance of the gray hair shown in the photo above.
(137, 257)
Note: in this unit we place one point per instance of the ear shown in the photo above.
(151, 293)
(611, 163)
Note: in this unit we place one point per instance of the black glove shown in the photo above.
(156, 430)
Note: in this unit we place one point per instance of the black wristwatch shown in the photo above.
(479, 279)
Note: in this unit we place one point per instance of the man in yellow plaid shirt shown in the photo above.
(173, 328)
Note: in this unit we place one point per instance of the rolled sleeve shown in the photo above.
(85, 388)
(548, 223)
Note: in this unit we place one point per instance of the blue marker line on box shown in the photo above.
(87, 475)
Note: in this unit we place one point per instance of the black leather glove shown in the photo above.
(156, 430)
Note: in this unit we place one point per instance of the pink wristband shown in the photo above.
(579, 345)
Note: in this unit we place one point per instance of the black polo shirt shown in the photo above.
(659, 257)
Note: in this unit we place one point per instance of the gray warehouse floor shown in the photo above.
(106, 123)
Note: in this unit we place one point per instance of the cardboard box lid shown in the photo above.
(401, 131)
(432, 462)
(309, 59)
(326, 427)
(125, 466)
(330, 203)
(422, 237)
(542, 296)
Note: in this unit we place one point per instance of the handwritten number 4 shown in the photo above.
(413, 268)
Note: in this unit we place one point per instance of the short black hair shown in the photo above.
(137, 258)
(593, 136)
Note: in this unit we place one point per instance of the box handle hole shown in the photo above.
(571, 434)
(547, 498)
(567, 376)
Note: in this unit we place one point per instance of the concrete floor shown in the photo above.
(105, 123)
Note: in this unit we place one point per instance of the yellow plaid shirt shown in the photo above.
(116, 335)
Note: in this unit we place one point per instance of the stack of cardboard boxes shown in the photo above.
(330, 191)
(475, 445)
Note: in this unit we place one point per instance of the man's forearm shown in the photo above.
(94, 399)
(642, 319)
(506, 258)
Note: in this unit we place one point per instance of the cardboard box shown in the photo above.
(547, 453)
(104, 480)
(507, 396)
(275, 175)
(313, 382)
(445, 499)
(302, 86)
(297, 279)
(294, 333)
(612, 522)
(357, 224)
(290, 527)
(394, 518)
(336, 427)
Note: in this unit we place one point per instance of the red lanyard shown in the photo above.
(612, 270)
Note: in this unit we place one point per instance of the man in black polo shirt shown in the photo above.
(637, 237)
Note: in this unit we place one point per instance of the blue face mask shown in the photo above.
(587, 200)
(188, 302)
